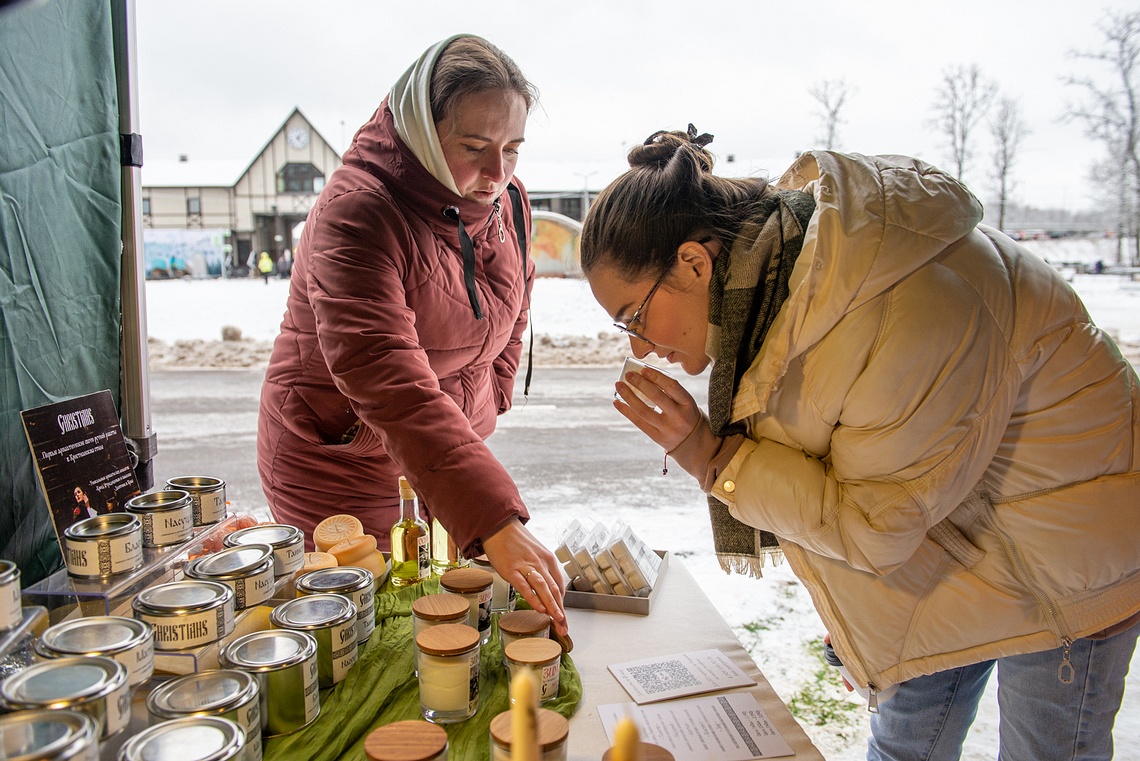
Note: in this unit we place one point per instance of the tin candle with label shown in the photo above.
(104, 545)
(49, 735)
(207, 494)
(193, 738)
(186, 614)
(331, 619)
(11, 612)
(228, 693)
(288, 543)
(93, 684)
(284, 662)
(128, 641)
(247, 570)
(357, 584)
(167, 516)
(447, 664)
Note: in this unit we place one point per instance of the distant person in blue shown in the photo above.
(913, 410)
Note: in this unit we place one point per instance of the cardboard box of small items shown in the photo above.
(609, 570)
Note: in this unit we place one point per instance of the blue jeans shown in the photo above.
(1041, 718)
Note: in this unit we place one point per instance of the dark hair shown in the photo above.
(668, 196)
(472, 65)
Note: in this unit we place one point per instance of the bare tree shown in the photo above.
(962, 102)
(1110, 112)
(831, 94)
(1008, 130)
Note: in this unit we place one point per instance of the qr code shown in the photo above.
(662, 676)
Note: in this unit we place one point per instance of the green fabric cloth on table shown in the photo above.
(381, 688)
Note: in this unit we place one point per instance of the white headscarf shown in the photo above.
(410, 101)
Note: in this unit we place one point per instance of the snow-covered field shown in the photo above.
(773, 617)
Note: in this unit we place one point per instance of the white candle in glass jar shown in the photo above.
(447, 662)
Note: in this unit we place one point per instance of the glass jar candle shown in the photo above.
(543, 656)
(406, 741)
(477, 586)
(447, 664)
(442, 608)
(502, 593)
(552, 733)
(520, 624)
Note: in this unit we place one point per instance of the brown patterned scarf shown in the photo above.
(749, 283)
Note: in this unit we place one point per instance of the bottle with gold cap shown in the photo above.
(411, 556)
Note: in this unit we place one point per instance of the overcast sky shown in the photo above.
(217, 77)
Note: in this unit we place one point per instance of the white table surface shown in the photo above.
(681, 619)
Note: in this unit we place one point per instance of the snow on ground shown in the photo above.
(774, 617)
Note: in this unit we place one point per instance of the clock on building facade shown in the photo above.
(298, 137)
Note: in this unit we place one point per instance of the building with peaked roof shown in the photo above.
(242, 209)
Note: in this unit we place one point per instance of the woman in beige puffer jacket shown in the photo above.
(941, 440)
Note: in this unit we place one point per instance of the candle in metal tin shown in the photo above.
(357, 584)
(447, 665)
(406, 741)
(49, 735)
(552, 733)
(167, 516)
(186, 614)
(193, 738)
(228, 693)
(542, 656)
(284, 662)
(477, 586)
(288, 544)
(103, 546)
(247, 570)
(93, 684)
(128, 641)
(331, 619)
(207, 494)
(11, 612)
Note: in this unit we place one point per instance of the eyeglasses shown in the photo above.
(627, 327)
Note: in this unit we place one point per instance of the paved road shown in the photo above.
(565, 443)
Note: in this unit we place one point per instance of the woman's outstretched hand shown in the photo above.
(525, 563)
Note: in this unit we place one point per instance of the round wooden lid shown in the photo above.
(405, 741)
(441, 607)
(466, 580)
(533, 650)
(553, 729)
(447, 639)
(645, 752)
(523, 622)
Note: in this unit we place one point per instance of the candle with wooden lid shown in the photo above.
(407, 741)
(552, 733)
(447, 664)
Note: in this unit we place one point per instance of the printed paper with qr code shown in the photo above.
(671, 676)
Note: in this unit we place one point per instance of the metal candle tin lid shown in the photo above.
(8, 571)
(405, 741)
(195, 483)
(447, 639)
(441, 607)
(552, 729)
(95, 635)
(523, 622)
(275, 534)
(202, 694)
(181, 597)
(466, 580)
(341, 579)
(104, 526)
(231, 562)
(313, 612)
(159, 501)
(270, 650)
(47, 735)
(63, 682)
(193, 738)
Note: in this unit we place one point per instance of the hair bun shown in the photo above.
(660, 148)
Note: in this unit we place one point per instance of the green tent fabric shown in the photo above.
(60, 250)
(381, 689)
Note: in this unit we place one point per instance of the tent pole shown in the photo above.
(134, 371)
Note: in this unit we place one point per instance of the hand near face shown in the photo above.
(677, 413)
